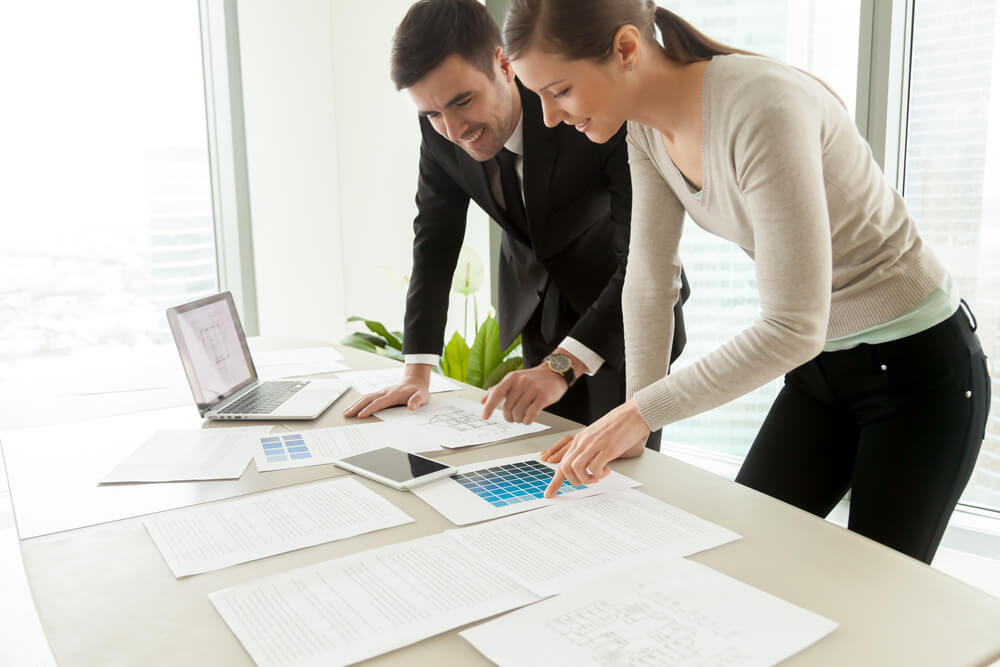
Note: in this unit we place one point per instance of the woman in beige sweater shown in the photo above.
(886, 386)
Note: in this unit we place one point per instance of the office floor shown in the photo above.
(23, 643)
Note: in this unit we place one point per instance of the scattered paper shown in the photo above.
(501, 487)
(216, 535)
(462, 418)
(279, 451)
(188, 455)
(663, 612)
(367, 382)
(276, 364)
(356, 607)
(550, 550)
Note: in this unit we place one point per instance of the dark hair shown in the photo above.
(585, 29)
(432, 30)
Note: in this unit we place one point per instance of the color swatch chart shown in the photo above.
(513, 483)
(285, 447)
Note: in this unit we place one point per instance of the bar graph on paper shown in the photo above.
(289, 446)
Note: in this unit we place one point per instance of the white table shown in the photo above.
(105, 596)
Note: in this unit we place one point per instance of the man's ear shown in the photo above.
(504, 66)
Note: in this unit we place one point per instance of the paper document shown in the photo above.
(501, 487)
(548, 551)
(298, 449)
(463, 419)
(220, 534)
(274, 364)
(359, 606)
(187, 455)
(367, 382)
(666, 612)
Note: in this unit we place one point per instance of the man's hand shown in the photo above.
(526, 393)
(412, 391)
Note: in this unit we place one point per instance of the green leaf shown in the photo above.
(455, 361)
(379, 328)
(485, 353)
(392, 353)
(364, 342)
(512, 364)
(513, 346)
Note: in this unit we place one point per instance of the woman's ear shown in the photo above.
(626, 46)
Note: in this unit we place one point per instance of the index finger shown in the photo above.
(494, 396)
(553, 488)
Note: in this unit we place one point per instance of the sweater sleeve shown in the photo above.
(776, 150)
(652, 275)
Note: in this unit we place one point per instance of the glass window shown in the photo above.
(952, 154)
(820, 37)
(106, 209)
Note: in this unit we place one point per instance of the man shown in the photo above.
(562, 201)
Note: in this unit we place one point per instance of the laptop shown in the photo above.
(222, 376)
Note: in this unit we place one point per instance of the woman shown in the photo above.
(886, 387)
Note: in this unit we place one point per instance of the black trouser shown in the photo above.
(899, 424)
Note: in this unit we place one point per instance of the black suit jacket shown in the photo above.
(572, 258)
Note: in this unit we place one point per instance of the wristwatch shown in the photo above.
(561, 365)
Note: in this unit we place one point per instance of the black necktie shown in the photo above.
(511, 187)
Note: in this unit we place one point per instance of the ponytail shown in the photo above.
(683, 43)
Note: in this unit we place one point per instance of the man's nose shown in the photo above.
(454, 127)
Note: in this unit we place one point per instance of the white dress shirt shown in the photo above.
(515, 145)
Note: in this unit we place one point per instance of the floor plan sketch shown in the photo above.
(651, 629)
(461, 421)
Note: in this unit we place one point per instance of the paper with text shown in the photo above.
(359, 606)
(550, 550)
(462, 418)
(220, 534)
(666, 611)
(189, 455)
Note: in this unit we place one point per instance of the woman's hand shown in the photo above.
(583, 458)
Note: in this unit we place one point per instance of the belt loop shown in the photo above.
(968, 313)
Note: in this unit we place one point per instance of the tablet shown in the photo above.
(398, 469)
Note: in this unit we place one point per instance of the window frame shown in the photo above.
(885, 55)
(227, 151)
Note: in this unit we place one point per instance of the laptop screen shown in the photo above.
(213, 348)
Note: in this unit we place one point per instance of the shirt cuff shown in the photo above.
(590, 359)
(429, 359)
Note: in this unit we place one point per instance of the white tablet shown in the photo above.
(399, 469)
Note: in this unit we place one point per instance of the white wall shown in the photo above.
(332, 152)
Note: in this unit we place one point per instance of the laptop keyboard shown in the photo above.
(264, 399)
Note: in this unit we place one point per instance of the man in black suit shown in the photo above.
(563, 203)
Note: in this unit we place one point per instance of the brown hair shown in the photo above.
(585, 29)
(432, 30)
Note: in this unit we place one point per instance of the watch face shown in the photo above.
(559, 363)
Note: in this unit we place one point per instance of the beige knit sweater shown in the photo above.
(788, 178)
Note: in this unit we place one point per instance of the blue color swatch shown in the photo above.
(513, 483)
(284, 447)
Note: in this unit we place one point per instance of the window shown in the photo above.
(107, 207)
(952, 168)
(822, 38)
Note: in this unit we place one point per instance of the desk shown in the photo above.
(106, 597)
